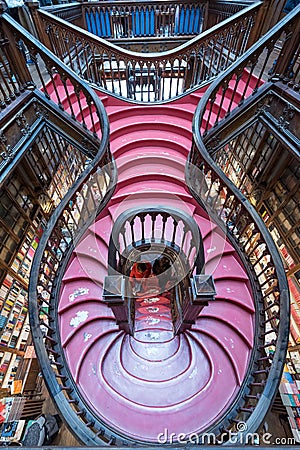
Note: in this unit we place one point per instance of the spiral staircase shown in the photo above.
(118, 388)
(155, 370)
(155, 383)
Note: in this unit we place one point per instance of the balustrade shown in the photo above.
(222, 10)
(155, 76)
(124, 19)
(47, 79)
(143, 228)
(276, 58)
(151, 233)
(234, 213)
(244, 226)
(127, 20)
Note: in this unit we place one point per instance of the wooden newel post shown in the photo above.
(202, 292)
(114, 297)
(38, 23)
(16, 64)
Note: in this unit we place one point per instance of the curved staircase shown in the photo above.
(140, 385)
(119, 389)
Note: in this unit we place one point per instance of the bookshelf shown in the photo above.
(14, 323)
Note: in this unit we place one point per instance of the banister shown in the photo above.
(247, 229)
(157, 232)
(248, 69)
(162, 17)
(193, 261)
(240, 233)
(72, 216)
(92, 186)
(50, 73)
(212, 12)
(166, 74)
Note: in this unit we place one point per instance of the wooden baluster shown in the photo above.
(8, 88)
(78, 91)
(210, 104)
(175, 224)
(224, 88)
(185, 231)
(132, 230)
(153, 220)
(219, 66)
(99, 71)
(164, 221)
(122, 236)
(66, 88)
(142, 220)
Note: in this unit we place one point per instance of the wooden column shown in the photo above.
(38, 23)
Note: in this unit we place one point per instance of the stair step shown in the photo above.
(236, 316)
(142, 119)
(140, 187)
(235, 292)
(102, 227)
(137, 391)
(76, 292)
(124, 413)
(226, 267)
(92, 247)
(163, 141)
(79, 320)
(165, 369)
(86, 268)
(150, 165)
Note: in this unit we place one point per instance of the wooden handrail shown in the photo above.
(188, 245)
(52, 81)
(267, 59)
(233, 211)
(154, 76)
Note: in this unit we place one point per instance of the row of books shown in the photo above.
(13, 310)
(290, 395)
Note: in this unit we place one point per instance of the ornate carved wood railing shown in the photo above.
(148, 234)
(53, 83)
(149, 77)
(75, 213)
(243, 224)
(138, 232)
(124, 19)
(86, 197)
(121, 19)
(219, 10)
(274, 57)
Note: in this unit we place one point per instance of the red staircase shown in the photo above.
(139, 386)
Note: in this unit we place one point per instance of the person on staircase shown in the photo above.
(139, 271)
(160, 270)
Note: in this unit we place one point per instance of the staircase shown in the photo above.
(126, 380)
(117, 389)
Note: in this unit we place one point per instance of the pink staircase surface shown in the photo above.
(141, 385)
